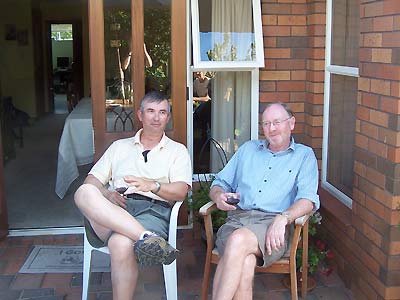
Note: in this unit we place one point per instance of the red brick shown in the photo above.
(276, 30)
(316, 19)
(290, 86)
(275, 8)
(362, 113)
(396, 24)
(369, 100)
(274, 96)
(373, 9)
(391, 39)
(395, 89)
(390, 105)
(361, 141)
(317, 53)
(379, 118)
(290, 64)
(365, 54)
(299, 9)
(372, 39)
(379, 149)
(383, 23)
(269, 20)
(315, 76)
(381, 87)
(364, 84)
(393, 154)
(298, 75)
(389, 137)
(375, 207)
(366, 25)
(269, 42)
(391, 7)
(299, 31)
(370, 130)
(292, 20)
(270, 64)
(382, 55)
(277, 53)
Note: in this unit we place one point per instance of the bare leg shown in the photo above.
(104, 216)
(124, 269)
(241, 243)
(245, 290)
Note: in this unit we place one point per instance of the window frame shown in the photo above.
(223, 65)
(331, 70)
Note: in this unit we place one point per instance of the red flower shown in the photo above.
(320, 245)
(330, 254)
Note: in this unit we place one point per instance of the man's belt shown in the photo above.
(142, 197)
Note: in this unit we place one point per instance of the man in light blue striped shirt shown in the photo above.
(276, 181)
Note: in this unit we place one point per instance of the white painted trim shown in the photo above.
(220, 65)
(337, 70)
(45, 231)
(255, 103)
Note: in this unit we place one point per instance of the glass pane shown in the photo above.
(117, 48)
(221, 117)
(345, 32)
(157, 38)
(226, 30)
(342, 122)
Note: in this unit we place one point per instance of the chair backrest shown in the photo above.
(170, 276)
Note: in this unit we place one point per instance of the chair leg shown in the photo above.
(293, 281)
(87, 258)
(170, 281)
(206, 279)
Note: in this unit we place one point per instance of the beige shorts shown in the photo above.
(257, 222)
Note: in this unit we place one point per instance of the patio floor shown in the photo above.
(68, 286)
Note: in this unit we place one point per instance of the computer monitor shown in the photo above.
(62, 62)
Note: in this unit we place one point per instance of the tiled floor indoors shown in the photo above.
(52, 286)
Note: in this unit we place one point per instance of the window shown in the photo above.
(227, 33)
(341, 87)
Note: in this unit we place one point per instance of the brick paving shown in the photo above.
(68, 286)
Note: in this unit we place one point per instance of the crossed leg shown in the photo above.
(107, 218)
(235, 271)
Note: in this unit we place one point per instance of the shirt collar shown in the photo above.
(264, 144)
(161, 144)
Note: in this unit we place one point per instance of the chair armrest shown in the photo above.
(207, 208)
(173, 223)
(302, 220)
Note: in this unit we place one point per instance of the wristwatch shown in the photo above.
(287, 216)
(158, 187)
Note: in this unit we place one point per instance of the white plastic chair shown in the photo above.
(170, 276)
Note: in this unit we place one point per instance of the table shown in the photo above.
(76, 147)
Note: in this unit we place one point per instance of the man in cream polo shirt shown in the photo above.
(135, 224)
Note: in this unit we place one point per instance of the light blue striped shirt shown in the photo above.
(269, 181)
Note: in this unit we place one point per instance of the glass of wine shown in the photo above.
(120, 185)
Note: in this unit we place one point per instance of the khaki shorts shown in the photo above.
(257, 222)
(152, 216)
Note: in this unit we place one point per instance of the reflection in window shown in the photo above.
(221, 117)
(226, 30)
(345, 32)
(342, 109)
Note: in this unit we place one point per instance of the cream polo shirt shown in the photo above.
(168, 162)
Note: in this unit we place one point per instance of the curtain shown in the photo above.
(230, 109)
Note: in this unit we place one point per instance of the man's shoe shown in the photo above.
(154, 250)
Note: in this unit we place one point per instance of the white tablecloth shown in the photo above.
(76, 145)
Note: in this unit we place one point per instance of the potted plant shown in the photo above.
(319, 255)
(199, 198)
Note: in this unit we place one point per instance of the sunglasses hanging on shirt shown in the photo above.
(144, 153)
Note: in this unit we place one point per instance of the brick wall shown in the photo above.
(366, 238)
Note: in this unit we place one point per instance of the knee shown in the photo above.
(83, 193)
(238, 239)
(121, 248)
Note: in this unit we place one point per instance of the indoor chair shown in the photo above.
(170, 276)
(286, 265)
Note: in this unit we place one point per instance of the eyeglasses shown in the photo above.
(276, 123)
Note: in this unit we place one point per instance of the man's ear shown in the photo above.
(292, 122)
(139, 113)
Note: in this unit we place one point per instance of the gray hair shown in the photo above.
(284, 105)
(154, 97)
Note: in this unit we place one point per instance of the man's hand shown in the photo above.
(139, 183)
(275, 237)
(221, 199)
(116, 198)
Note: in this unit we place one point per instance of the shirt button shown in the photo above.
(254, 204)
(274, 155)
(259, 191)
(270, 168)
(265, 180)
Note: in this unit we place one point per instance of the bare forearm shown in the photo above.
(299, 209)
(175, 191)
(215, 193)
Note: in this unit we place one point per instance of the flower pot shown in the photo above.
(311, 283)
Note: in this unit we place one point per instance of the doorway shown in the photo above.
(29, 181)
